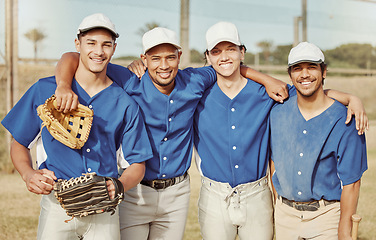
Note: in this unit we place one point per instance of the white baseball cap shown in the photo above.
(97, 20)
(305, 52)
(157, 36)
(222, 32)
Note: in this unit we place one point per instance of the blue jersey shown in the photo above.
(168, 119)
(232, 135)
(118, 130)
(315, 158)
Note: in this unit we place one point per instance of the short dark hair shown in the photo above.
(323, 67)
(240, 47)
(82, 34)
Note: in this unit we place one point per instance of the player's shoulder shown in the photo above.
(287, 104)
(122, 98)
(45, 86)
(47, 80)
(120, 74)
(197, 73)
(338, 110)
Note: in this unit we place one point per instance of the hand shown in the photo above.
(111, 189)
(277, 90)
(137, 67)
(66, 99)
(40, 181)
(356, 108)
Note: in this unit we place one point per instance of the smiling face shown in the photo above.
(225, 58)
(96, 48)
(162, 62)
(307, 78)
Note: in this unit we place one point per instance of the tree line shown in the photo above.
(351, 55)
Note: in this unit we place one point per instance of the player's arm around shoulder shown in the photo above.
(65, 70)
(354, 107)
(349, 202)
(276, 89)
(37, 181)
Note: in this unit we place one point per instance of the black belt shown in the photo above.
(307, 206)
(164, 183)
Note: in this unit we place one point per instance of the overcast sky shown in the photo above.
(330, 22)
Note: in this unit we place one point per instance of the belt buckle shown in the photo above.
(158, 184)
(314, 206)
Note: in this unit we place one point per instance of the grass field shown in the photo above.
(20, 212)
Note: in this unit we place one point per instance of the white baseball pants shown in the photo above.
(246, 210)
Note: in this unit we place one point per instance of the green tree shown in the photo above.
(197, 57)
(35, 35)
(352, 55)
(266, 50)
(249, 58)
(280, 54)
(148, 26)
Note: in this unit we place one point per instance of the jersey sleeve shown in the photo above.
(352, 155)
(202, 78)
(22, 121)
(135, 142)
(292, 90)
(122, 76)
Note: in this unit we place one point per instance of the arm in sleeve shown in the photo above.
(202, 78)
(135, 143)
(352, 154)
(276, 89)
(355, 107)
(121, 75)
(22, 121)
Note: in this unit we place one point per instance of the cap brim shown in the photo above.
(173, 44)
(310, 61)
(88, 29)
(213, 44)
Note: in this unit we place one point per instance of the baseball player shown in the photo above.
(232, 139)
(118, 137)
(317, 160)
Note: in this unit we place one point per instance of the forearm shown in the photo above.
(66, 69)
(349, 202)
(341, 97)
(21, 159)
(132, 175)
(276, 89)
(256, 76)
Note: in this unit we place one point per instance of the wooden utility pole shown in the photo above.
(297, 20)
(301, 19)
(184, 33)
(11, 54)
(304, 20)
